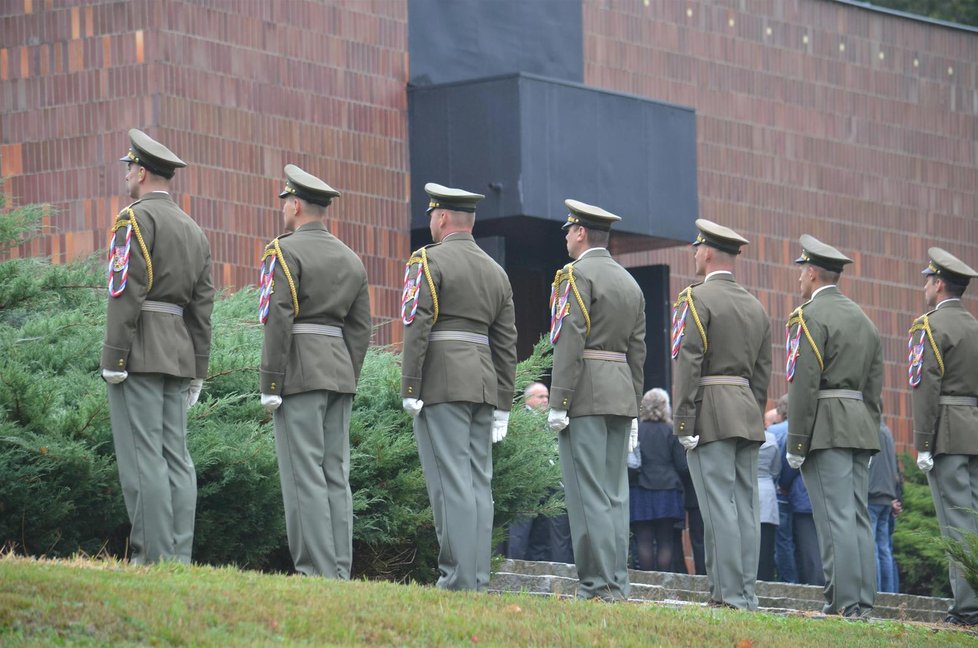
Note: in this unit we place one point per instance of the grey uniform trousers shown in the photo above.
(148, 413)
(724, 475)
(593, 451)
(954, 486)
(455, 447)
(312, 441)
(837, 480)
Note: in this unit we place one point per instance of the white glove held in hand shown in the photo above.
(689, 442)
(633, 435)
(270, 402)
(925, 461)
(500, 423)
(196, 384)
(412, 406)
(114, 377)
(557, 420)
(795, 461)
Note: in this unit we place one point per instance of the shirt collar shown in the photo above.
(591, 249)
(716, 272)
(820, 289)
(949, 299)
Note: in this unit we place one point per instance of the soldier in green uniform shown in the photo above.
(943, 359)
(598, 333)
(457, 379)
(315, 306)
(157, 346)
(834, 369)
(721, 341)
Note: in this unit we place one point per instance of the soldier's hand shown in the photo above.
(633, 435)
(114, 377)
(557, 420)
(925, 461)
(195, 386)
(689, 442)
(412, 406)
(795, 461)
(271, 402)
(500, 425)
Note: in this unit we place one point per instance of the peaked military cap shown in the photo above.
(588, 216)
(441, 197)
(819, 254)
(147, 152)
(719, 237)
(945, 265)
(306, 186)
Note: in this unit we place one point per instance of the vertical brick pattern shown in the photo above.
(814, 117)
(238, 89)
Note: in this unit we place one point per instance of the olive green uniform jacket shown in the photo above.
(474, 296)
(950, 368)
(615, 321)
(317, 280)
(841, 350)
(727, 333)
(169, 261)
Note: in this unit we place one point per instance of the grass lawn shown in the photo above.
(100, 603)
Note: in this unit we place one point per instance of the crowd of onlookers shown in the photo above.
(663, 504)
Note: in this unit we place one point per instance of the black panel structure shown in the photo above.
(654, 282)
(456, 40)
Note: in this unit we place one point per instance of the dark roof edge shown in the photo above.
(538, 77)
(910, 16)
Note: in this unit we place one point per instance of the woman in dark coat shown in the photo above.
(656, 501)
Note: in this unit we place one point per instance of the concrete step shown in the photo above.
(559, 579)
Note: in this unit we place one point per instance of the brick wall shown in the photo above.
(813, 116)
(238, 89)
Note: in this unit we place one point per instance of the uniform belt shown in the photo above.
(458, 336)
(724, 380)
(610, 356)
(851, 394)
(967, 401)
(161, 307)
(317, 329)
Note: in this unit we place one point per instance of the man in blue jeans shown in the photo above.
(784, 539)
(883, 505)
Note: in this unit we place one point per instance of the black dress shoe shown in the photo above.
(953, 619)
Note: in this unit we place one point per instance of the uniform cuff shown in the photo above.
(923, 442)
(410, 387)
(271, 383)
(684, 425)
(114, 358)
(201, 366)
(797, 445)
(504, 400)
(561, 398)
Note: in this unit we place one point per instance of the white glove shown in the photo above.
(412, 406)
(270, 402)
(925, 461)
(795, 461)
(114, 377)
(689, 442)
(557, 420)
(633, 435)
(196, 384)
(500, 421)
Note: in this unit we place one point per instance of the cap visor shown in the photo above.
(802, 260)
(125, 158)
(928, 272)
(284, 194)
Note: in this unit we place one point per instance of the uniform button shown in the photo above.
(565, 402)
(410, 390)
(122, 363)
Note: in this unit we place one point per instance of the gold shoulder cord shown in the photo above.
(568, 272)
(687, 296)
(288, 273)
(122, 222)
(798, 317)
(923, 324)
(421, 256)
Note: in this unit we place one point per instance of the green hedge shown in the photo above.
(60, 493)
(917, 546)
